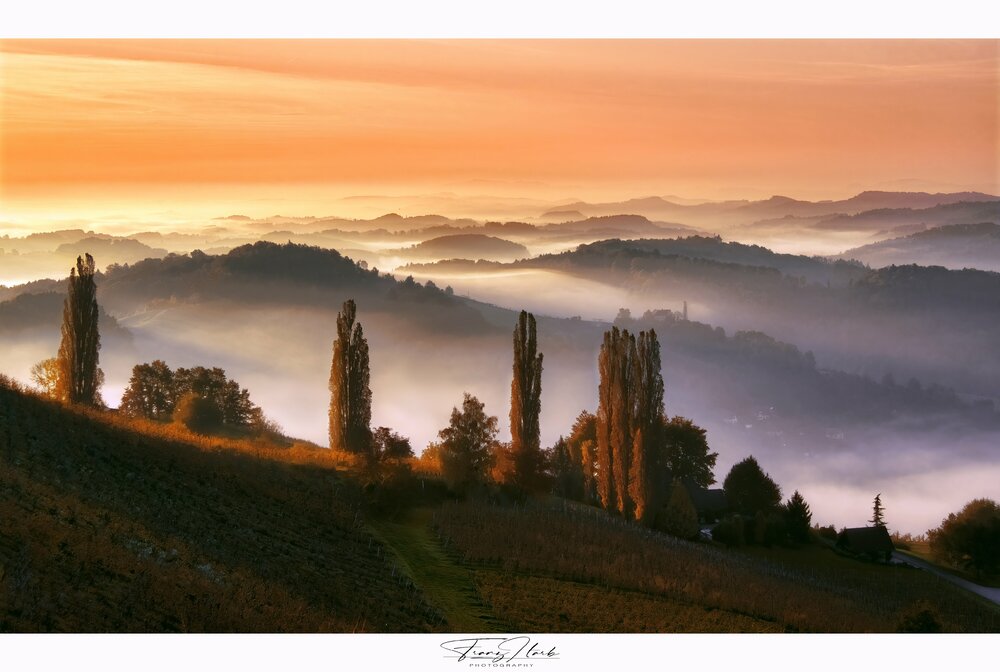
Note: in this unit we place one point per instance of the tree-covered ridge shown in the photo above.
(911, 321)
(952, 246)
(29, 311)
(261, 262)
(709, 266)
(811, 269)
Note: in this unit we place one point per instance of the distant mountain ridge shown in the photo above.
(743, 212)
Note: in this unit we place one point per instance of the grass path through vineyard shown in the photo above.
(445, 583)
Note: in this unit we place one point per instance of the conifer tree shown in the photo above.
(350, 394)
(878, 512)
(798, 518)
(525, 406)
(79, 376)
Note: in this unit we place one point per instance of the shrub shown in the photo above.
(730, 531)
(198, 414)
(919, 618)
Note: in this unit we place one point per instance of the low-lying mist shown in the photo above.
(282, 355)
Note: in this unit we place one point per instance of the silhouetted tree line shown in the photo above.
(970, 539)
(757, 514)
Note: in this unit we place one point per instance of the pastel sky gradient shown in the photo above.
(115, 121)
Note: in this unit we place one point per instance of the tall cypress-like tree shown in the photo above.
(629, 421)
(647, 423)
(526, 405)
(607, 364)
(350, 394)
(638, 479)
(79, 376)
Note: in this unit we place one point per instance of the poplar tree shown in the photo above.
(630, 421)
(606, 364)
(647, 423)
(638, 479)
(525, 406)
(350, 394)
(79, 376)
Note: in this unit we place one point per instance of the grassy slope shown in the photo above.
(479, 599)
(447, 585)
(112, 527)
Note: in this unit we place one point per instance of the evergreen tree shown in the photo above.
(350, 394)
(525, 407)
(798, 518)
(878, 512)
(79, 376)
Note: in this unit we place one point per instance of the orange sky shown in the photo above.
(114, 121)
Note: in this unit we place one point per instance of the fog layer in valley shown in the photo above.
(818, 387)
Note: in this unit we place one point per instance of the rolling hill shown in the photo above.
(465, 246)
(954, 246)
